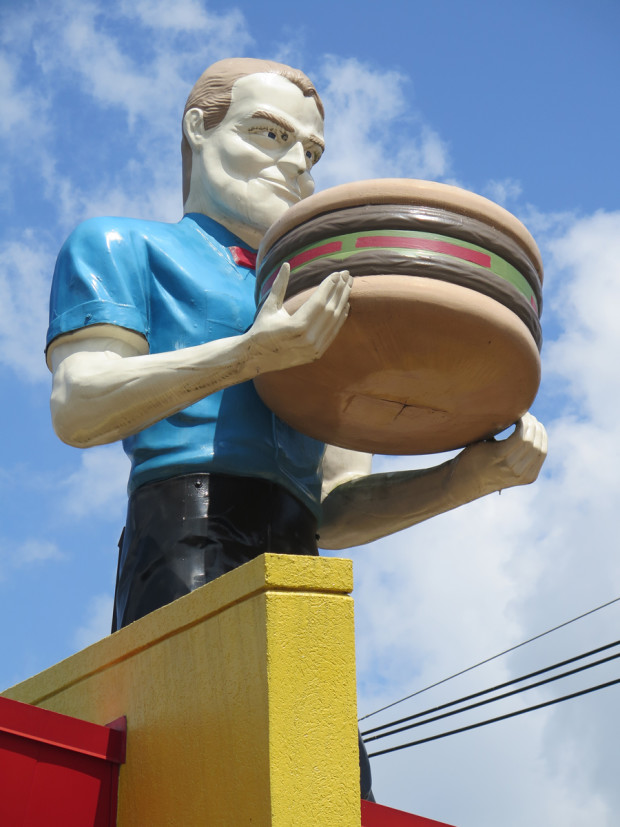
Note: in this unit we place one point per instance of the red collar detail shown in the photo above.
(243, 257)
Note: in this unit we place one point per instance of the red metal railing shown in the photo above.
(376, 815)
(57, 770)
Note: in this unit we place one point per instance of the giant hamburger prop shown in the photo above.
(441, 347)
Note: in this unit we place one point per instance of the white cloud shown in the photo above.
(545, 226)
(141, 192)
(449, 593)
(133, 63)
(15, 101)
(365, 110)
(77, 38)
(188, 16)
(503, 191)
(586, 356)
(24, 124)
(26, 266)
(96, 625)
(26, 553)
(36, 551)
(459, 589)
(98, 487)
(290, 48)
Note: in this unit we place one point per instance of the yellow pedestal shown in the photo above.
(240, 701)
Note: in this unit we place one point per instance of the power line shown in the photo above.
(492, 700)
(495, 720)
(499, 686)
(488, 660)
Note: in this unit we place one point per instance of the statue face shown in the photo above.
(256, 163)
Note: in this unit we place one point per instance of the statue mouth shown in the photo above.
(280, 188)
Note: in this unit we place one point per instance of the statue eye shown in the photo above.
(284, 136)
(312, 155)
(271, 134)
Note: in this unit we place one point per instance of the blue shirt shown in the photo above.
(178, 285)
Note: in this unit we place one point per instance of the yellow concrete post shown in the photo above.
(240, 701)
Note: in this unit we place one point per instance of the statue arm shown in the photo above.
(106, 386)
(365, 507)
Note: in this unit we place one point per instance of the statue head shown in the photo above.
(252, 130)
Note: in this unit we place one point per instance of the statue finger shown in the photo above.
(278, 289)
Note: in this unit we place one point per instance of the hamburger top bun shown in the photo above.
(404, 191)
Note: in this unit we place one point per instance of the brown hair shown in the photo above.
(212, 93)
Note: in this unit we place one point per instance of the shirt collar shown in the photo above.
(220, 233)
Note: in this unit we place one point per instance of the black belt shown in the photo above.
(185, 531)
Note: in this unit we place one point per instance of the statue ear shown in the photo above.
(194, 128)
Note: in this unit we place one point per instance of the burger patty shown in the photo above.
(413, 241)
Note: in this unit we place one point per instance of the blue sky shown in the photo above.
(518, 102)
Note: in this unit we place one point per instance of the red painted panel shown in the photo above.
(52, 728)
(376, 815)
(56, 770)
(315, 252)
(434, 245)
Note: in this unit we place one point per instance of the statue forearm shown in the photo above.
(374, 506)
(368, 508)
(104, 395)
(106, 389)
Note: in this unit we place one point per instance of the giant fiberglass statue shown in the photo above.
(154, 339)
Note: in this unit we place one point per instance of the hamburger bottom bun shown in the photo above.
(420, 366)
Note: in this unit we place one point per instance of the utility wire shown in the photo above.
(492, 700)
(488, 660)
(499, 718)
(495, 688)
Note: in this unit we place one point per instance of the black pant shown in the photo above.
(185, 531)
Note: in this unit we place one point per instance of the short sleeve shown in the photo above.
(100, 279)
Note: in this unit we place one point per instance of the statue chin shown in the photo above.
(268, 201)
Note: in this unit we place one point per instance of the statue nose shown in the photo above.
(294, 159)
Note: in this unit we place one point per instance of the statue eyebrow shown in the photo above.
(278, 120)
(318, 141)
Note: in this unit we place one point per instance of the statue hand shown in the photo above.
(281, 340)
(494, 465)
